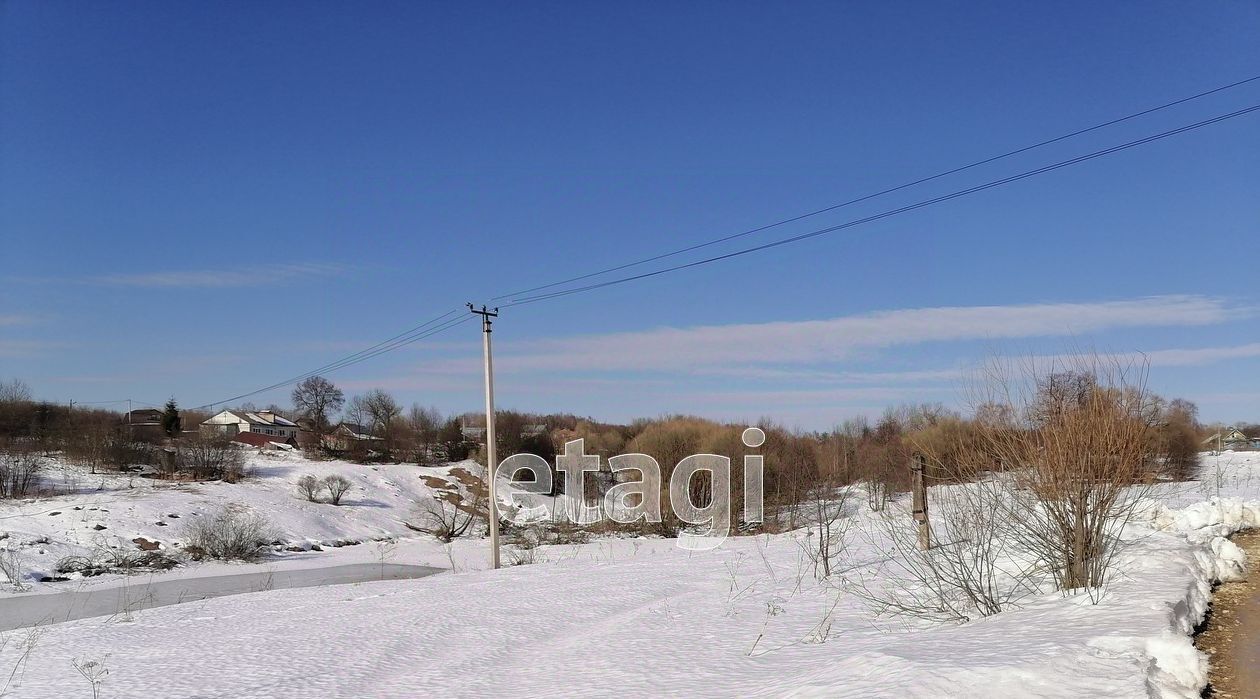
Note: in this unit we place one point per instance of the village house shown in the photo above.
(261, 422)
(346, 435)
(143, 424)
(1232, 438)
(143, 416)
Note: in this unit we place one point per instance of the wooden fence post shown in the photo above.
(918, 464)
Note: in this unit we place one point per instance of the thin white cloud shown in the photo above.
(27, 348)
(1252, 398)
(10, 319)
(838, 339)
(760, 373)
(1172, 357)
(120, 378)
(876, 395)
(222, 278)
(1201, 356)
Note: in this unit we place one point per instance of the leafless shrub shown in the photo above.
(106, 560)
(828, 525)
(448, 514)
(881, 461)
(1080, 442)
(20, 467)
(123, 453)
(230, 534)
(1175, 439)
(310, 487)
(1046, 489)
(877, 494)
(212, 456)
(11, 566)
(337, 486)
(525, 539)
(972, 570)
(523, 545)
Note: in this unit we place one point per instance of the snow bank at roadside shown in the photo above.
(1178, 669)
(1209, 519)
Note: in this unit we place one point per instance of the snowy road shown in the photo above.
(130, 595)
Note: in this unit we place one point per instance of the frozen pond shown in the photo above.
(135, 593)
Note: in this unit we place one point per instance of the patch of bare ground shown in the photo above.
(1231, 634)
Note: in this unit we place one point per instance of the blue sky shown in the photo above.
(200, 200)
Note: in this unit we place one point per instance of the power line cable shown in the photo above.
(437, 330)
(345, 362)
(881, 193)
(361, 356)
(891, 212)
(411, 336)
(393, 343)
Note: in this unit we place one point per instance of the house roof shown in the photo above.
(261, 417)
(266, 417)
(356, 431)
(260, 440)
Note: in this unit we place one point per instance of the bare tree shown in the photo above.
(310, 487)
(448, 514)
(1059, 392)
(426, 425)
(20, 466)
(212, 456)
(1080, 443)
(89, 445)
(317, 398)
(383, 410)
(337, 486)
(15, 391)
(357, 413)
(1176, 439)
(825, 508)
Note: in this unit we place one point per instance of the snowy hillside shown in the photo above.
(112, 511)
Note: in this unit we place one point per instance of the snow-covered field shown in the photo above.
(609, 617)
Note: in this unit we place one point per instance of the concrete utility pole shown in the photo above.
(492, 463)
(918, 465)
